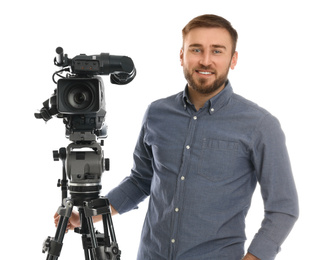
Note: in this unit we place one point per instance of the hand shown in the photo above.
(249, 256)
(73, 222)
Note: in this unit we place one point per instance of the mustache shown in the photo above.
(205, 68)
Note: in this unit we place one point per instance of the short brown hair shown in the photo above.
(212, 21)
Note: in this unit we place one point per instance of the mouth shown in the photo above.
(204, 72)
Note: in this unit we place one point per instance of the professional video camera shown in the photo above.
(79, 97)
(79, 100)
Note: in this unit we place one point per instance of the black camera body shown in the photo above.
(82, 102)
(80, 97)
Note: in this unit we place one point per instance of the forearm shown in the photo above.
(249, 256)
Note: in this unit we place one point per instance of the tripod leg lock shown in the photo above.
(66, 210)
(52, 247)
(113, 251)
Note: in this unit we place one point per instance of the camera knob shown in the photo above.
(107, 163)
(55, 155)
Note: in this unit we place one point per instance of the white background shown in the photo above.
(282, 66)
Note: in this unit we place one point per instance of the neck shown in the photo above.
(199, 99)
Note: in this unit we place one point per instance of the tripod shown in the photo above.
(84, 195)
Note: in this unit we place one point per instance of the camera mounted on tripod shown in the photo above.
(79, 100)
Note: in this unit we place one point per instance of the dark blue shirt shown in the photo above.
(200, 169)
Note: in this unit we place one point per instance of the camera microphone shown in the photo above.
(59, 59)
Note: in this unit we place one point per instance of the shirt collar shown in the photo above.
(215, 103)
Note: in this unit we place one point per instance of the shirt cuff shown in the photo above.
(263, 248)
(125, 197)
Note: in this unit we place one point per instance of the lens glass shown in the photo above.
(79, 96)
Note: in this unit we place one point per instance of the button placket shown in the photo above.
(178, 209)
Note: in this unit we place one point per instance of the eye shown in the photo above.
(196, 50)
(217, 51)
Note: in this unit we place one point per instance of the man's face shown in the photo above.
(206, 57)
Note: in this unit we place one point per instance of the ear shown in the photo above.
(234, 60)
(181, 56)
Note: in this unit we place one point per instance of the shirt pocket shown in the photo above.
(217, 159)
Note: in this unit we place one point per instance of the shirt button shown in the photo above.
(195, 117)
(212, 109)
(182, 178)
(176, 209)
(172, 241)
(188, 147)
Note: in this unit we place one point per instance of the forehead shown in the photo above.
(208, 37)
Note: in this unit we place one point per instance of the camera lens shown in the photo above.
(79, 97)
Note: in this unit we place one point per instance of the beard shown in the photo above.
(201, 85)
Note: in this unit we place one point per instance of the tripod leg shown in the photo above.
(89, 240)
(83, 230)
(93, 239)
(54, 245)
(98, 246)
(107, 220)
(112, 247)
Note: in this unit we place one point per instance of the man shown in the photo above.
(199, 156)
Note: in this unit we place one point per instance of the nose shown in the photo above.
(205, 59)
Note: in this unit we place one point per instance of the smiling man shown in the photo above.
(206, 57)
(200, 155)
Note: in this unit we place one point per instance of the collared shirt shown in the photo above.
(200, 169)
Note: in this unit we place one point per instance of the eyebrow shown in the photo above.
(213, 45)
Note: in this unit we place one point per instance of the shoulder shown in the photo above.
(249, 106)
(257, 118)
(162, 107)
(167, 102)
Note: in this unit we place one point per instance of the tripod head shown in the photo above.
(83, 164)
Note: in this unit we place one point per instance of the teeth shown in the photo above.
(204, 72)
